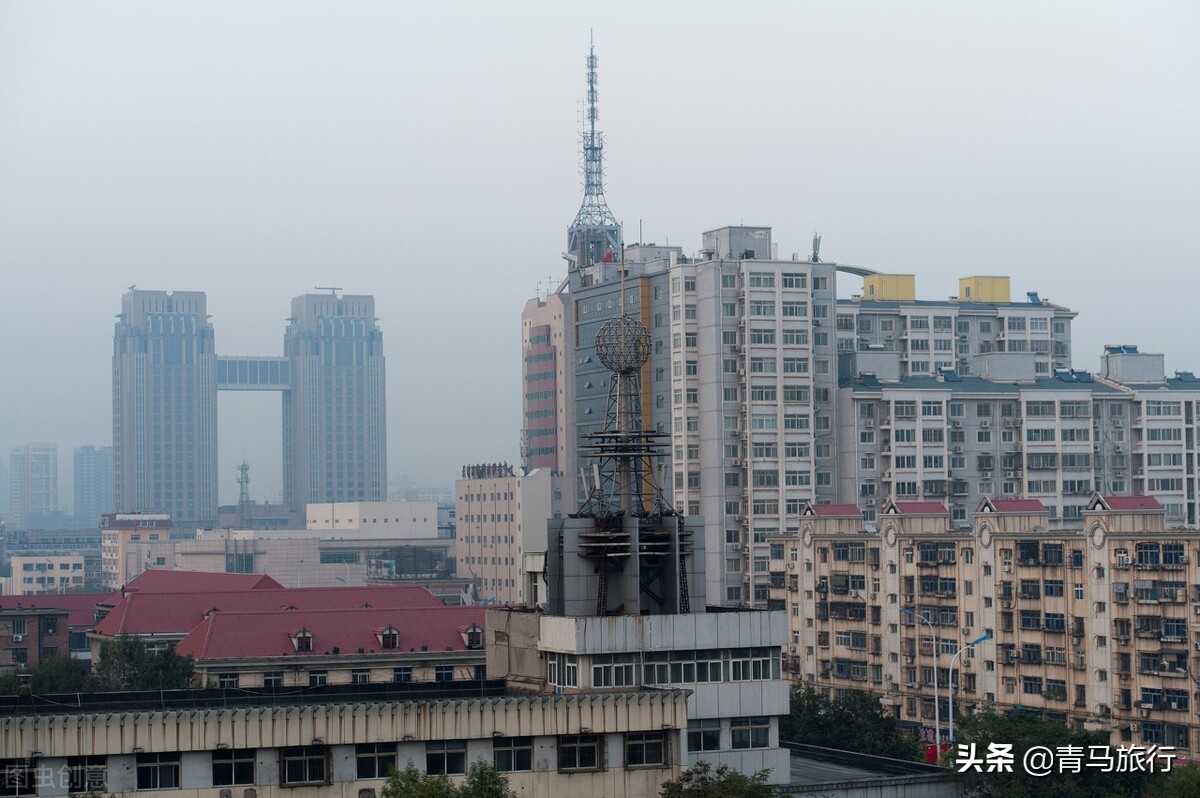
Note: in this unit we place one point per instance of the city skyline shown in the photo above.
(1063, 168)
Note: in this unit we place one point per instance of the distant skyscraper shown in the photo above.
(33, 480)
(165, 407)
(165, 382)
(93, 483)
(334, 426)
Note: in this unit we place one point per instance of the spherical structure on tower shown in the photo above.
(623, 344)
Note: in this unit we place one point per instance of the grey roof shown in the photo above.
(976, 385)
(947, 304)
(1171, 384)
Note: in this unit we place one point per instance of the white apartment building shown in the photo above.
(390, 519)
(502, 515)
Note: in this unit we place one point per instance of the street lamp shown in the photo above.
(985, 636)
(937, 712)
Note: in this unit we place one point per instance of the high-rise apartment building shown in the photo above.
(929, 336)
(334, 425)
(742, 375)
(1007, 432)
(33, 481)
(165, 407)
(165, 381)
(547, 371)
(93, 483)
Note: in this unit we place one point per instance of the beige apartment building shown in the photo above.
(39, 574)
(501, 516)
(117, 532)
(1089, 625)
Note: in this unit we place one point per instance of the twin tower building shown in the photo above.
(166, 375)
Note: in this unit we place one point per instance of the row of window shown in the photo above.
(308, 765)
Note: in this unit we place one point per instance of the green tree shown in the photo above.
(126, 664)
(412, 783)
(484, 781)
(701, 781)
(1182, 780)
(855, 721)
(1023, 731)
(55, 675)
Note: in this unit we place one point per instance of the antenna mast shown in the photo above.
(595, 227)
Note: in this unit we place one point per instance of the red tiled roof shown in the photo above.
(80, 607)
(835, 509)
(921, 508)
(1132, 503)
(163, 580)
(179, 613)
(247, 635)
(1018, 505)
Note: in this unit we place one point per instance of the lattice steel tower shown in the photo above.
(635, 532)
(594, 235)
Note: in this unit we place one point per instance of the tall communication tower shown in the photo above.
(594, 236)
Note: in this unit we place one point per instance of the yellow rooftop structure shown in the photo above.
(984, 289)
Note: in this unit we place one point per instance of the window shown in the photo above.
(158, 771)
(304, 765)
(580, 752)
(318, 678)
(750, 732)
(389, 638)
(273, 679)
(227, 680)
(374, 760)
(446, 757)
(360, 676)
(232, 767)
(443, 673)
(645, 749)
(20, 777)
(512, 754)
(88, 774)
(704, 735)
(402, 675)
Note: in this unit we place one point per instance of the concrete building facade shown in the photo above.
(547, 371)
(501, 515)
(615, 743)
(1089, 622)
(93, 483)
(33, 482)
(120, 531)
(166, 375)
(41, 574)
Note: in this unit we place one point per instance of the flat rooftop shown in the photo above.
(828, 771)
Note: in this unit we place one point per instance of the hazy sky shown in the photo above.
(427, 154)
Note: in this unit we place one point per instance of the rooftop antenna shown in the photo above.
(816, 253)
(594, 223)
